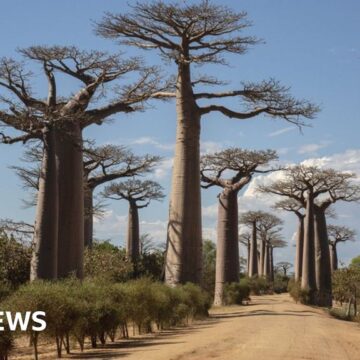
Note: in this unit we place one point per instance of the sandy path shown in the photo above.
(273, 327)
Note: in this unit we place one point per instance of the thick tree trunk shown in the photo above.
(308, 281)
(44, 257)
(271, 263)
(322, 259)
(333, 257)
(266, 265)
(88, 217)
(253, 270)
(71, 202)
(248, 257)
(184, 247)
(299, 249)
(262, 258)
(133, 234)
(227, 249)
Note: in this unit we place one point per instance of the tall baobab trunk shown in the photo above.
(333, 257)
(44, 257)
(271, 263)
(253, 271)
(308, 281)
(227, 249)
(322, 259)
(262, 257)
(88, 217)
(71, 202)
(184, 248)
(248, 256)
(299, 249)
(266, 265)
(133, 234)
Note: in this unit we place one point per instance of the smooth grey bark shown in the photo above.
(271, 263)
(266, 264)
(333, 257)
(184, 242)
(322, 259)
(133, 234)
(88, 217)
(71, 202)
(253, 270)
(262, 257)
(44, 257)
(227, 249)
(308, 281)
(299, 249)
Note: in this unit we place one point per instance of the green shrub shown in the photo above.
(259, 286)
(6, 344)
(198, 301)
(107, 262)
(297, 293)
(236, 293)
(280, 284)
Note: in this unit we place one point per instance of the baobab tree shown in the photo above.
(245, 239)
(240, 166)
(338, 234)
(138, 194)
(251, 219)
(316, 189)
(101, 164)
(284, 266)
(58, 122)
(295, 207)
(267, 227)
(275, 241)
(183, 37)
(107, 163)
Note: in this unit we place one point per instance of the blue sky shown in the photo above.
(312, 46)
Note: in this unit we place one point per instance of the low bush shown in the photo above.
(280, 284)
(236, 293)
(297, 293)
(6, 344)
(259, 286)
(97, 309)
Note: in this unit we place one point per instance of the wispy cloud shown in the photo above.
(146, 140)
(313, 148)
(282, 131)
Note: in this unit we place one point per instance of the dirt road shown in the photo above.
(272, 327)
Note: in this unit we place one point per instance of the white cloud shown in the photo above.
(163, 169)
(312, 149)
(208, 147)
(282, 131)
(146, 140)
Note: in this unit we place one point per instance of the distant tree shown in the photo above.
(268, 228)
(138, 194)
(295, 207)
(101, 164)
(251, 219)
(231, 170)
(183, 37)
(209, 266)
(338, 234)
(59, 121)
(245, 239)
(316, 189)
(283, 266)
